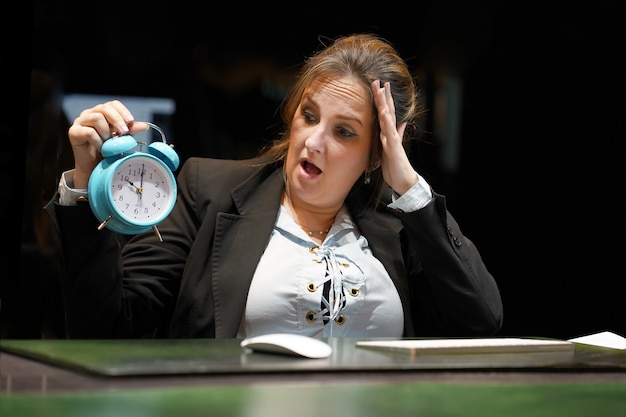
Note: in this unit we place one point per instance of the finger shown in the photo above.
(389, 99)
(136, 127)
(380, 103)
(81, 135)
(401, 128)
(90, 126)
(386, 114)
(379, 96)
(128, 123)
(109, 119)
(118, 117)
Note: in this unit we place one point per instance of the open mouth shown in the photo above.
(310, 168)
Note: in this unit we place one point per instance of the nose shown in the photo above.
(314, 143)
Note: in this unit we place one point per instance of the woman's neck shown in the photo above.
(316, 223)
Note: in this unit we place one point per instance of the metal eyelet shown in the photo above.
(340, 320)
(354, 292)
(311, 287)
(312, 250)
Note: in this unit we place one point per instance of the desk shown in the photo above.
(216, 377)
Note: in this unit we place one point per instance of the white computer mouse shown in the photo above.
(289, 344)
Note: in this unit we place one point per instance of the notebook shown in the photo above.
(470, 345)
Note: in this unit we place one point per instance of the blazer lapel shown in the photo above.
(382, 234)
(235, 259)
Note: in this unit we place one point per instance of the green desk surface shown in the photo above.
(330, 400)
(220, 356)
(344, 396)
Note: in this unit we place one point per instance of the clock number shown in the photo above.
(129, 191)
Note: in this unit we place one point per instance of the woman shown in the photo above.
(329, 232)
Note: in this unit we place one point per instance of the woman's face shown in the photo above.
(330, 143)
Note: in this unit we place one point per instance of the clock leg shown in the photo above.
(105, 222)
(157, 233)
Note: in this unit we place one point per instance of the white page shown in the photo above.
(604, 339)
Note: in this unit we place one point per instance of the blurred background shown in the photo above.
(526, 112)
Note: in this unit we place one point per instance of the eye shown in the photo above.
(346, 133)
(308, 117)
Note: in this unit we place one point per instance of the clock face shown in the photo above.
(142, 190)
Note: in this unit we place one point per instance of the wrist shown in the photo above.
(408, 182)
(69, 195)
(80, 180)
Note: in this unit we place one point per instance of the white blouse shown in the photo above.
(337, 288)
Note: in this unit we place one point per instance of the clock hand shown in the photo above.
(137, 191)
(133, 185)
(141, 181)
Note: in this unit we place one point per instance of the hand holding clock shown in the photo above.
(106, 131)
(89, 131)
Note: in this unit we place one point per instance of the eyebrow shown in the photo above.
(309, 98)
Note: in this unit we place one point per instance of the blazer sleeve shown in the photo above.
(452, 291)
(117, 286)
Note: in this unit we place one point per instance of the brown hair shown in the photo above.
(365, 57)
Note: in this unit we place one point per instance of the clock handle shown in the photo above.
(163, 151)
(158, 129)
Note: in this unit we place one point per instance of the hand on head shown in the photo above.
(395, 165)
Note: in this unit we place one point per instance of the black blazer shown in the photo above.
(195, 282)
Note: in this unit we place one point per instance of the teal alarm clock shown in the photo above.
(133, 188)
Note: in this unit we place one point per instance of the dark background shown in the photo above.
(537, 181)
